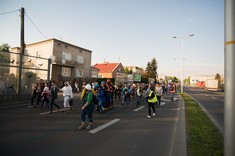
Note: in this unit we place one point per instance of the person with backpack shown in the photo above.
(87, 108)
(54, 94)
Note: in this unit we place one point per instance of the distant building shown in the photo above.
(163, 78)
(94, 73)
(109, 70)
(200, 78)
(70, 62)
(135, 69)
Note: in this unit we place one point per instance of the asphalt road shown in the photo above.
(212, 103)
(122, 130)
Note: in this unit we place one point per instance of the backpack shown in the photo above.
(95, 99)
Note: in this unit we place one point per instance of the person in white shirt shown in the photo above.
(67, 94)
(139, 94)
(159, 92)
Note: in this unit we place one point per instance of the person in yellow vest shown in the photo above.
(152, 99)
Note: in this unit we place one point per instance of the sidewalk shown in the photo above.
(180, 146)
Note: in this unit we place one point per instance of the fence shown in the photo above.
(33, 69)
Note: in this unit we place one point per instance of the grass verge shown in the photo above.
(203, 138)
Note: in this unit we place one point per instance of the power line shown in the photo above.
(36, 26)
(29, 20)
(9, 12)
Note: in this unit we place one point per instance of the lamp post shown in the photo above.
(182, 59)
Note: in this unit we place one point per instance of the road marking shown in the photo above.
(206, 95)
(163, 103)
(213, 97)
(137, 109)
(54, 111)
(104, 126)
(165, 100)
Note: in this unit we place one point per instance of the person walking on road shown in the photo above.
(41, 86)
(34, 93)
(87, 108)
(152, 99)
(45, 95)
(54, 95)
(124, 94)
(138, 94)
(172, 91)
(159, 92)
(101, 96)
(67, 94)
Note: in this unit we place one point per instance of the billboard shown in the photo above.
(137, 78)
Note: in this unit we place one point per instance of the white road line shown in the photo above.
(165, 100)
(54, 111)
(163, 103)
(104, 126)
(137, 109)
(213, 97)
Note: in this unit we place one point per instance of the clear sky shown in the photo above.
(130, 31)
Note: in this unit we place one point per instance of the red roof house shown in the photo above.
(109, 70)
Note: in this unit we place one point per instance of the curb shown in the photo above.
(179, 138)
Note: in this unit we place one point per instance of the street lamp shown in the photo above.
(182, 58)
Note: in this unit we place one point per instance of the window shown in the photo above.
(80, 59)
(79, 73)
(66, 56)
(66, 72)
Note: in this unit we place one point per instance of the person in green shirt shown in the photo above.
(87, 108)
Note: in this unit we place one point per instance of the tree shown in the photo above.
(151, 69)
(187, 80)
(4, 57)
(127, 71)
(218, 77)
(5, 47)
(173, 79)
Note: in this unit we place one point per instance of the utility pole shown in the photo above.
(22, 47)
(229, 98)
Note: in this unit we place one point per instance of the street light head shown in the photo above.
(174, 37)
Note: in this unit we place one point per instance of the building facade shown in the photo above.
(69, 62)
(109, 70)
(135, 69)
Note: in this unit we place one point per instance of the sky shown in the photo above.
(132, 32)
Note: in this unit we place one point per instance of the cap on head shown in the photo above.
(88, 87)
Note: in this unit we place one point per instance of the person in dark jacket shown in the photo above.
(54, 94)
(34, 93)
(101, 96)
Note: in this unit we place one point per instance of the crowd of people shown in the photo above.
(99, 96)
